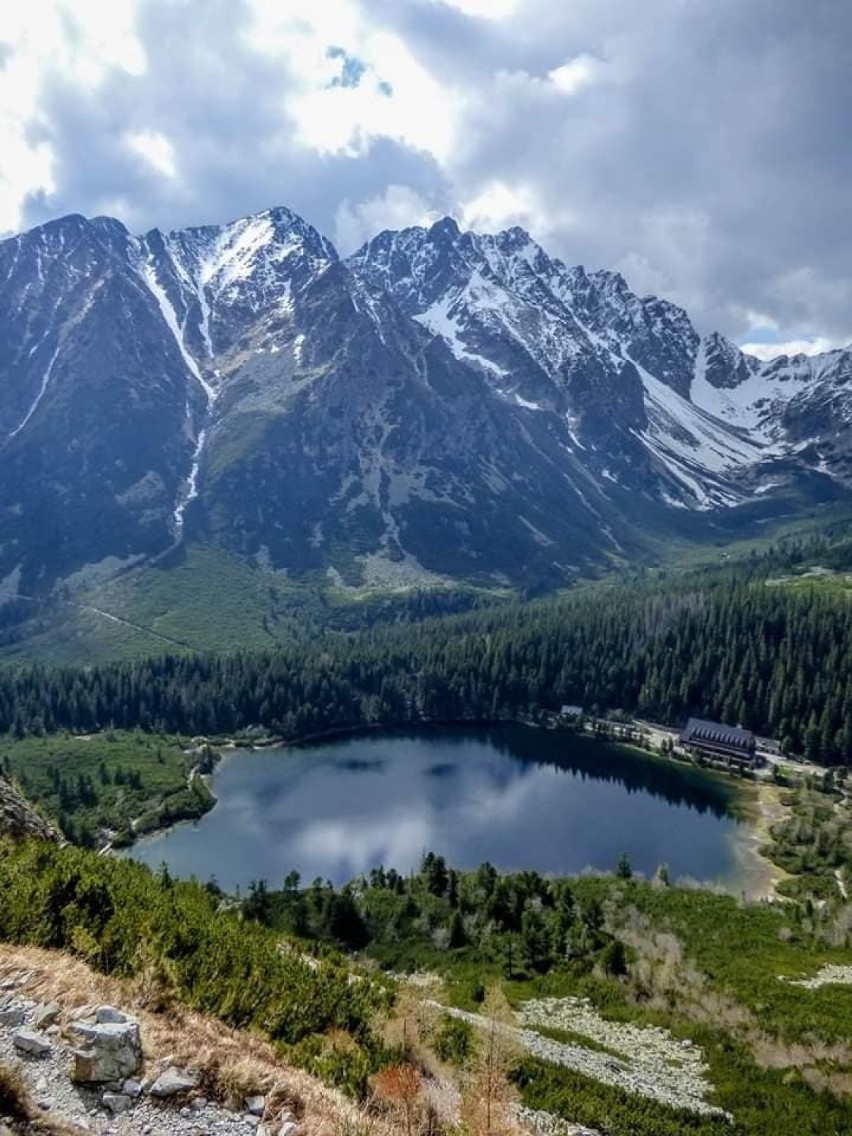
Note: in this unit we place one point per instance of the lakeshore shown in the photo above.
(756, 803)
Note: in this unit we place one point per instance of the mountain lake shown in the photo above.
(520, 798)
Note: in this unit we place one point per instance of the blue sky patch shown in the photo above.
(352, 68)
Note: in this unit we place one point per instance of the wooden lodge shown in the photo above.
(715, 742)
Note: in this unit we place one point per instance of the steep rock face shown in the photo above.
(614, 371)
(18, 818)
(95, 411)
(353, 441)
(646, 404)
(240, 384)
(723, 365)
(220, 280)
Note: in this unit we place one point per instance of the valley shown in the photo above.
(359, 524)
(358, 871)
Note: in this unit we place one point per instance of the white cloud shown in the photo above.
(483, 9)
(643, 277)
(397, 97)
(156, 150)
(676, 142)
(499, 206)
(813, 346)
(397, 208)
(577, 73)
(81, 41)
(758, 322)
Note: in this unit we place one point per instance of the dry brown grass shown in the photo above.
(668, 980)
(231, 1063)
(825, 1068)
(836, 1082)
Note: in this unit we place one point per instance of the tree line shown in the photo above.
(529, 923)
(776, 659)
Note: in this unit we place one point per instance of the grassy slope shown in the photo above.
(723, 548)
(726, 995)
(204, 599)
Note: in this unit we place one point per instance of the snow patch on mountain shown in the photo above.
(758, 402)
(189, 490)
(531, 323)
(245, 251)
(45, 382)
(149, 275)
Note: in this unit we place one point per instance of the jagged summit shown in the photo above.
(624, 369)
(442, 403)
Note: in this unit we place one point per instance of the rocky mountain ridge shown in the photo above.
(442, 404)
(708, 425)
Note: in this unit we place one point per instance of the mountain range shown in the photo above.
(440, 404)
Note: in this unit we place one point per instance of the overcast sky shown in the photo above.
(701, 147)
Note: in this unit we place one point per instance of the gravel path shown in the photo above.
(56, 1096)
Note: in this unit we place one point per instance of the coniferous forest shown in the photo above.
(732, 645)
(775, 658)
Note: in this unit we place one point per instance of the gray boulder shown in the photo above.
(111, 1051)
(11, 1016)
(116, 1102)
(46, 1014)
(109, 1014)
(29, 1042)
(172, 1082)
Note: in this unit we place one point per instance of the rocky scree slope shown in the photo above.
(441, 404)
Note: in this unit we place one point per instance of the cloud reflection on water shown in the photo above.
(336, 810)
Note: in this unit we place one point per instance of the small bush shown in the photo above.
(14, 1095)
(454, 1041)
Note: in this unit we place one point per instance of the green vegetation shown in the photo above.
(520, 924)
(775, 659)
(814, 843)
(111, 786)
(205, 599)
(704, 966)
(179, 941)
(202, 598)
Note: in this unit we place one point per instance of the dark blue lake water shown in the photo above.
(518, 797)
